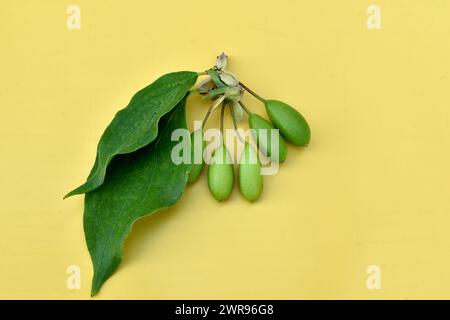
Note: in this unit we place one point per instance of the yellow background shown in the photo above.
(372, 188)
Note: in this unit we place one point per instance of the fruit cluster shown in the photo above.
(225, 90)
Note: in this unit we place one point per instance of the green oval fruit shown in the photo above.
(249, 174)
(290, 122)
(197, 148)
(264, 142)
(221, 174)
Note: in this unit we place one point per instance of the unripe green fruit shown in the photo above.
(249, 174)
(221, 174)
(290, 122)
(197, 147)
(264, 142)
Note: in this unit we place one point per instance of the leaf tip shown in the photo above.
(71, 193)
(95, 289)
(74, 192)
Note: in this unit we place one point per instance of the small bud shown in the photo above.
(221, 62)
(229, 79)
(233, 94)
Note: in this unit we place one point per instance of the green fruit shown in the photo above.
(290, 122)
(197, 147)
(264, 141)
(221, 174)
(249, 174)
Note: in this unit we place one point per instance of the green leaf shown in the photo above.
(136, 125)
(137, 184)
